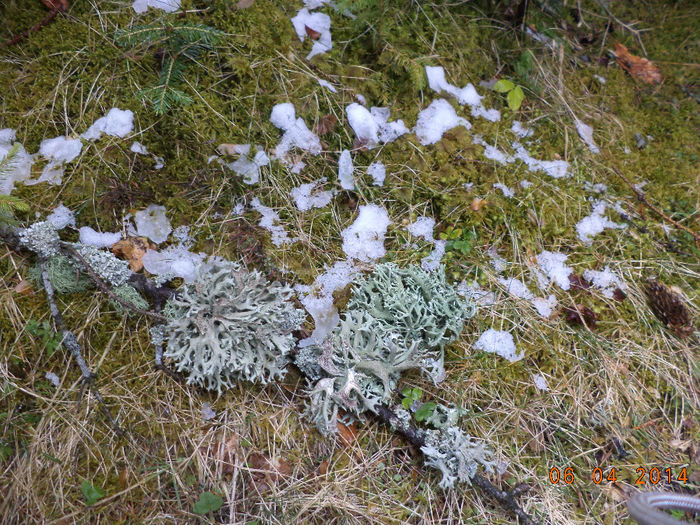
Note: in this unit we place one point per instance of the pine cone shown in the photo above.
(669, 308)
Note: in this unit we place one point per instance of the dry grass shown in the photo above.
(628, 381)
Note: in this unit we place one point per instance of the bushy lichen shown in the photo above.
(397, 320)
(110, 269)
(456, 455)
(130, 295)
(63, 274)
(230, 324)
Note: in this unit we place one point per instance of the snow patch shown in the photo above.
(586, 133)
(516, 287)
(501, 343)
(248, 169)
(345, 169)
(553, 264)
(435, 120)
(53, 378)
(91, 237)
(544, 306)
(140, 6)
(305, 196)
(423, 227)
(61, 217)
(175, 261)
(540, 382)
(153, 223)
(595, 223)
(207, 412)
(319, 22)
(520, 130)
(139, 148)
(19, 169)
(605, 280)
(476, 293)
(364, 239)
(327, 85)
(507, 192)
(269, 220)
(554, 168)
(466, 95)
(377, 171)
(117, 123)
(296, 133)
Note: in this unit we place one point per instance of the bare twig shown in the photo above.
(70, 342)
(506, 498)
(24, 34)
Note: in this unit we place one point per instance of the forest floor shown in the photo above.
(622, 389)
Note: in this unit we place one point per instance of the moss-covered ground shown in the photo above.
(623, 394)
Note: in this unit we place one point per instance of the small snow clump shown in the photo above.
(501, 343)
(435, 120)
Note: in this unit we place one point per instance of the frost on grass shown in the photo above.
(435, 120)
(607, 281)
(553, 264)
(16, 169)
(345, 170)
(319, 22)
(230, 324)
(169, 6)
(296, 133)
(595, 223)
(90, 237)
(153, 223)
(306, 196)
(500, 343)
(269, 221)
(423, 227)
(586, 133)
(373, 126)
(466, 95)
(117, 123)
(364, 239)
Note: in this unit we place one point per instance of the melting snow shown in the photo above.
(364, 239)
(345, 169)
(248, 169)
(516, 287)
(139, 148)
(553, 264)
(606, 280)
(423, 227)
(388, 131)
(520, 130)
(117, 123)
(500, 343)
(296, 133)
(55, 381)
(99, 240)
(476, 293)
(327, 85)
(140, 6)
(61, 217)
(595, 223)
(373, 126)
(20, 168)
(435, 120)
(305, 196)
(555, 168)
(175, 260)
(377, 171)
(465, 95)
(544, 307)
(268, 220)
(586, 133)
(58, 151)
(153, 223)
(540, 382)
(207, 412)
(318, 22)
(505, 189)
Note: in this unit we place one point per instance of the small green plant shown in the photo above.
(514, 94)
(91, 493)
(424, 411)
(458, 240)
(411, 402)
(49, 339)
(410, 397)
(177, 42)
(208, 502)
(9, 205)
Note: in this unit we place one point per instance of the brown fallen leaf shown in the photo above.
(23, 287)
(579, 315)
(222, 451)
(641, 68)
(578, 282)
(244, 4)
(313, 34)
(133, 249)
(58, 5)
(477, 204)
(229, 149)
(619, 295)
(325, 125)
(268, 471)
(347, 434)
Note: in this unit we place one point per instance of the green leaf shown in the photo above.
(425, 411)
(90, 492)
(503, 86)
(208, 502)
(515, 98)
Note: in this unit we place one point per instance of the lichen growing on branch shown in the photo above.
(230, 324)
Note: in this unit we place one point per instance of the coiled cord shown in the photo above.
(643, 507)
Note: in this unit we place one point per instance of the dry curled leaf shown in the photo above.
(669, 308)
(578, 282)
(477, 204)
(313, 34)
(268, 471)
(23, 287)
(133, 249)
(641, 68)
(221, 451)
(56, 5)
(323, 468)
(347, 434)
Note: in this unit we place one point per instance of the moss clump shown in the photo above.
(63, 274)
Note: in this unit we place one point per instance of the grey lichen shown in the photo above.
(398, 319)
(456, 455)
(110, 269)
(230, 324)
(41, 238)
(63, 274)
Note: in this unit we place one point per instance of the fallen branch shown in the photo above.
(415, 437)
(70, 342)
(57, 8)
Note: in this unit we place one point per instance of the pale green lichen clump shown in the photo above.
(230, 324)
(398, 319)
